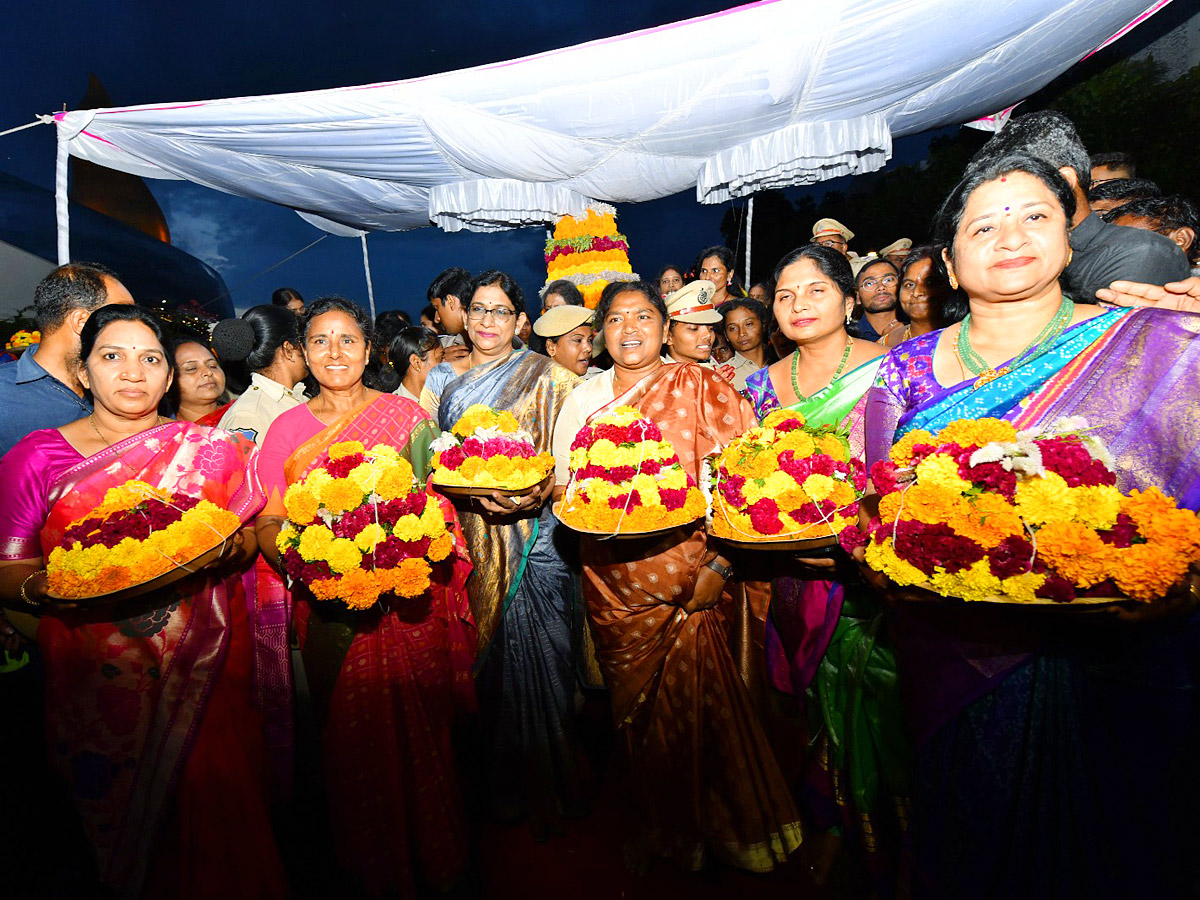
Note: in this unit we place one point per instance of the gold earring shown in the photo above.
(1070, 255)
(953, 282)
(849, 316)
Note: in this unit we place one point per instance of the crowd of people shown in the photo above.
(764, 703)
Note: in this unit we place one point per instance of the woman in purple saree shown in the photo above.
(149, 715)
(1055, 754)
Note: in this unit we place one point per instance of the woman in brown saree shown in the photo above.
(679, 637)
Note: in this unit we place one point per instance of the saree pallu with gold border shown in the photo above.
(524, 599)
(706, 780)
(828, 644)
(384, 683)
(149, 717)
(1055, 754)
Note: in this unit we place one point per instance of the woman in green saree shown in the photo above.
(825, 643)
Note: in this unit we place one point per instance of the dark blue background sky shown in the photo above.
(151, 52)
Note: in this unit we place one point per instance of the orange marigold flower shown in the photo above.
(988, 521)
(932, 503)
(440, 547)
(1075, 552)
(967, 432)
(1147, 571)
(341, 495)
(411, 578)
(901, 452)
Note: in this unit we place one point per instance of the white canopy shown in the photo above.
(772, 94)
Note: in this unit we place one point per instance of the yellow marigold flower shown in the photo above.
(433, 521)
(966, 432)
(366, 539)
(579, 456)
(833, 446)
(1075, 552)
(779, 483)
(779, 416)
(622, 415)
(883, 558)
(500, 468)
(315, 542)
(1045, 499)
(341, 495)
(843, 493)
(1147, 571)
(645, 485)
(941, 469)
(988, 519)
(440, 547)
(317, 479)
(1023, 588)
(818, 486)
(385, 452)
(471, 467)
(673, 479)
(1096, 506)
(408, 528)
(752, 491)
(757, 465)
(365, 475)
(975, 582)
(343, 556)
(799, 442)
(345, 448)
(300, 504)
(901, 452)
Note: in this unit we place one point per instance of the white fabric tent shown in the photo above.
(772, 94)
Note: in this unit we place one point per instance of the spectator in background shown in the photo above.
(566, 332)
(745, 326)
(1108, 166)
(832, 233)
(1118, 191)
(876, 284)
(760, 291)
(691, 317)
(670, 279)
(380, 374)
(429, 317)
(896, 251)
(412, 353)
(289, 298)
(446, 294)
(267, 340)
(1101, 253)
(42, 389)
(1173, 217)
(715, 264)
(927, 300)
(560, 293)
(198, 391)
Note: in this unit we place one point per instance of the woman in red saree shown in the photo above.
(149, 717)
(384, 681)
(679, 641)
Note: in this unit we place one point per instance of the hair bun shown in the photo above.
(233, 339)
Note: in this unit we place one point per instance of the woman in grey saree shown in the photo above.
(521, 590)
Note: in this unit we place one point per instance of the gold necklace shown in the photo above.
(96, 428)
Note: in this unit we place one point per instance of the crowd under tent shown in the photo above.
(772, 94)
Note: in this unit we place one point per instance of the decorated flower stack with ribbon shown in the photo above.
(138, 533)
(783, 481)
(487, 450)
(982, 512)
(360, 527)
(625, 479)
(589, 252)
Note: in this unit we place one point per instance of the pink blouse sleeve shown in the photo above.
(28, 471)
(287, 432)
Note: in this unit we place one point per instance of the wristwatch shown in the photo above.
(726, 572)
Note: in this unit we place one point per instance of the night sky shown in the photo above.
(144, 53)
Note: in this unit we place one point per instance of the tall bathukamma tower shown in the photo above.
(589, 252)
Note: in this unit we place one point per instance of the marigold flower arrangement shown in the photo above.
(625, 479)
(982, 512)
(360, 527)
(783, 480)
(22, 339)
(488, 449)
(137, 533)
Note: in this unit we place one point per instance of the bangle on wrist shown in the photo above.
(726, 572)
(24, 596)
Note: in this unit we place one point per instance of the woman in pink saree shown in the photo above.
(384, 681)
(149, 716)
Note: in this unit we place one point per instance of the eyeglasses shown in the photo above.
(499, 314)
(868, 283)
(831, 242)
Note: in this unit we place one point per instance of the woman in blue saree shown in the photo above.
(1055, 755)
(521, 589)
(825, 641)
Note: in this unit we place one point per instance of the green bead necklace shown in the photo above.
(977, 365)
(837, 372)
